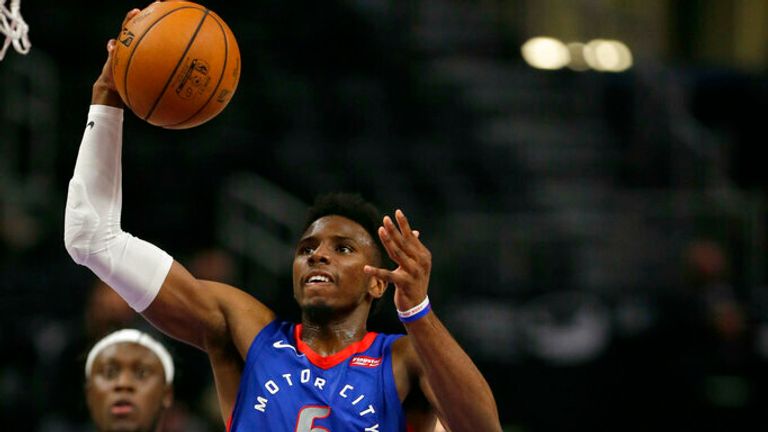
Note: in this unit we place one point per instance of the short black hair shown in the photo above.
(353, 207)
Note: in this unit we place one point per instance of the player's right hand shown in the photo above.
(104, 90)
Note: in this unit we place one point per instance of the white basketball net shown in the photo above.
(13, 27)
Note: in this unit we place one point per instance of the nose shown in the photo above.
(125, 381)
(319, 256)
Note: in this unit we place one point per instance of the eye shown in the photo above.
(110, 371)
(142, 372)
(305, 250)
(345, 249)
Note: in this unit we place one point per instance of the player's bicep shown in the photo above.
(184, 308)
(203, 313)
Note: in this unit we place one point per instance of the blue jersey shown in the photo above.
(286, 386)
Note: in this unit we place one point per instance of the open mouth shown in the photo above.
(318, 278)
(122, 408)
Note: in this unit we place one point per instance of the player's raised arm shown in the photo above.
(448, 377)
(197, 312)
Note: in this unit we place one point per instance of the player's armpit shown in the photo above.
(412, 385)
(227, 365)
(419, 414)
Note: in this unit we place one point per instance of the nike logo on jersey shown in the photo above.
(90, 124)
(282, 344)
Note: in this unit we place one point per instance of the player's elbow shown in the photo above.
(80, 223)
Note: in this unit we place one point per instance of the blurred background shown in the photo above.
(585, 172)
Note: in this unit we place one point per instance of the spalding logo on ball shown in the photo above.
(176, 64)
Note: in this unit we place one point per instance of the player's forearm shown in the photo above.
(465, 400)
(92, 233)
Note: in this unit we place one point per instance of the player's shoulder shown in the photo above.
(246, 316)
(402, 345)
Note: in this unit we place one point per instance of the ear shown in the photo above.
(168, 396)
(377, 287)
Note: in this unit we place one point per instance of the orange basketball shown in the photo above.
(176, 64)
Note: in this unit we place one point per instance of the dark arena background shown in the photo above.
(585, 172)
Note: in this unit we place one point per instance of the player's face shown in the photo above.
(328, 264)
(127, 391)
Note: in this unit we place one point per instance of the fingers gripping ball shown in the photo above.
(176, 64)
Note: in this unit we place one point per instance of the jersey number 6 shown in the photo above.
(307, 416)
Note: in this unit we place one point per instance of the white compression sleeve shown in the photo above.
(92, 234)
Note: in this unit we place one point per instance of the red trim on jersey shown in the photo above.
(333, 359)
(229, 422)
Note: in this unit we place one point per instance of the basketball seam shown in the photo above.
(135, 47)
(184, 54)
(221, 75)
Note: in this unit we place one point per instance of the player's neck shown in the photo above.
(330, 337)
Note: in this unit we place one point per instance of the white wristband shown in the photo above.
(415, 312)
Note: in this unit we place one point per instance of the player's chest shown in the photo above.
(299, 392)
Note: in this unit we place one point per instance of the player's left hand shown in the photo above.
(414, 261)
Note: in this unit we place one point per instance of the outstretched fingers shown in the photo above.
(411, 242)
(398, 249)
(405, 226)
(403, 234)
(414, 260)
(403, 245)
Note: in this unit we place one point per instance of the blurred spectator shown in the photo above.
(128, 382)
(106, 312)
(53, 361)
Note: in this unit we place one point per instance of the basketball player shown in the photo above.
(327, 373)
(128, 382)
